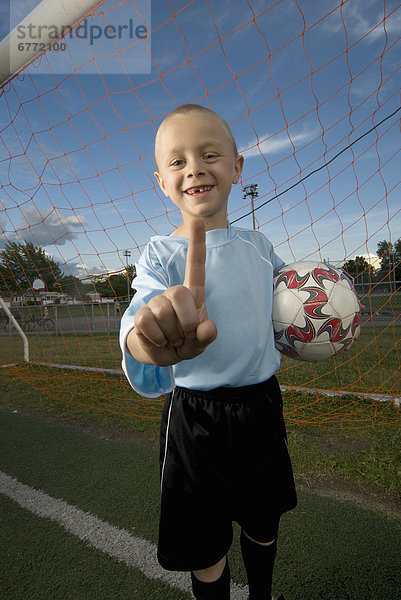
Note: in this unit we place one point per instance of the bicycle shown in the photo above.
(4, 322)
(34, 322)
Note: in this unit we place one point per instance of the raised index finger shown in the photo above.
(196, 257)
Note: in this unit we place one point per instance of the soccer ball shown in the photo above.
(316, 312)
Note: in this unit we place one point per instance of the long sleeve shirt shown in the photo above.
(239, 294)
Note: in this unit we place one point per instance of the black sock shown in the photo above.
(215, 590)
(259, 563)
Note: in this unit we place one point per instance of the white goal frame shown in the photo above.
(17, 326)
(46, 15)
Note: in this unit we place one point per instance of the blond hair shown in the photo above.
(184, 109)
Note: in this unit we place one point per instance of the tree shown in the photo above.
(359, 269)
(390, 259)
(75, 288)
(115, 285)
(112, 286)
(22, 263)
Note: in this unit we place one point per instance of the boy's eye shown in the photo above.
(210, 155)
(177, 162)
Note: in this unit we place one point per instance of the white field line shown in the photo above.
(133, 551)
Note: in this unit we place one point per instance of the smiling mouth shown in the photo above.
(199, 189)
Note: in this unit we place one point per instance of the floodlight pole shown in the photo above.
(127, 254)
(394, 277)
(252, 191)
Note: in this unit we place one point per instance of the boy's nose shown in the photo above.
(195, 168)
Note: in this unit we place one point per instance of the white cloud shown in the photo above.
(82, 270)
(3, 239)
(361, 25)
(46, 228)
(361, 17)
(273, 144)
(372, 259)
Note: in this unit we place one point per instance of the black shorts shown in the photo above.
(223, 458)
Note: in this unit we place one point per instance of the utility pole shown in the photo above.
(127, 254)
(394, 277)
(252, 191)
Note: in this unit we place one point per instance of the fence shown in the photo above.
(66, 318)
(381, 306)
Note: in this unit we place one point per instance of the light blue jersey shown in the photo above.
(239, 292)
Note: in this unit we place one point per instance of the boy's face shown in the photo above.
(197, 166)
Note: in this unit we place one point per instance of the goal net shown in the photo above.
(311, 92)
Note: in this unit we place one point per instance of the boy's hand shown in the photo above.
(174, 326)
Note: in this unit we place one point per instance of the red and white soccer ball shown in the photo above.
(316, 312)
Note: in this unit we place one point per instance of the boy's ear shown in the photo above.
(160, 182)
(239, 163)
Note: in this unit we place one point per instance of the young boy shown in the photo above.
(199, 329)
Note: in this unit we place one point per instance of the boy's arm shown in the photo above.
(174, 326)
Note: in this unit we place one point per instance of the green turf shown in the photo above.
(113, 480)
(356, 440)
(332, 550)
(82, 398)
(90, 350)
(372, 365)
(370, 456)
(328, 550)
(44, 562)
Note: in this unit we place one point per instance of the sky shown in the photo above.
(298, 82)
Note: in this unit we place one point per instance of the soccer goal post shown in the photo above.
(17, 326)
(50, 18)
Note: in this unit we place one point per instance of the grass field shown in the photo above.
(372, 365)
(329, 549)
(357, 441)
(87, 439)
(379, 302)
